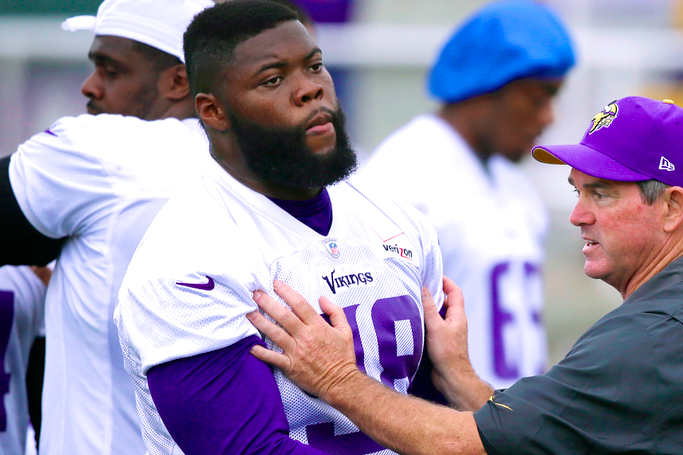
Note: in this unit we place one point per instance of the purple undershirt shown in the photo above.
(227, 401)
(315, 213)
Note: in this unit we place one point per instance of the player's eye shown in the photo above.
(273, 81)
(109, 70)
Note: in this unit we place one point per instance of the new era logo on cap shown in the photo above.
(666, 165)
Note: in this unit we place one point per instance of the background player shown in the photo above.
(22, 308)
(496, 78)
(86, 189)
(266, 208)
(139, 69)
(618, 390)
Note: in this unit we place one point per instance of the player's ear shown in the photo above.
(174, 83)
(211, 111)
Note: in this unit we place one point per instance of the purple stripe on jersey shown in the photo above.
(223, 402)
(315, 213)
(49, 132)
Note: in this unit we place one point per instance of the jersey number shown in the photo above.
(395, 319)
(504, 367)
(6, 318)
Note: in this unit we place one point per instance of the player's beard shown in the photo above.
(144, 100)
(140, 104)
(281, 156)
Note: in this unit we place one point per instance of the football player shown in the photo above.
(86, 189)
(496, 79)
(272, 204)
(22, 326)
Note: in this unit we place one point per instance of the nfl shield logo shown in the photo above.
(332, 247)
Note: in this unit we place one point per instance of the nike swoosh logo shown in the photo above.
(203, 286)
(49, 132)
(500, 404)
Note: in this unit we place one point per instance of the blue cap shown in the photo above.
(502, 42)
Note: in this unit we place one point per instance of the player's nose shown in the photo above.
(307, 91)
(546, 114)
(92, 87)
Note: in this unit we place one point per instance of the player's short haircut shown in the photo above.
(210, 40)
(158, 59)
(304, 17)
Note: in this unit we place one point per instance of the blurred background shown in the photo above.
(378, 52)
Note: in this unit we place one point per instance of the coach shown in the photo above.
(620, 388)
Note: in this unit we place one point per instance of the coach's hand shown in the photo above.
(446, 341)
(316, 356)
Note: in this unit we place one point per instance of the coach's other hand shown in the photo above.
(316, 356)
(446, 342)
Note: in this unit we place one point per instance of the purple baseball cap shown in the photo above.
(630, 140)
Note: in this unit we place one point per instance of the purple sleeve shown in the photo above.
(223, 402)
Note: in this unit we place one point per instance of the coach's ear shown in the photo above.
(673, 217)
(211, 111)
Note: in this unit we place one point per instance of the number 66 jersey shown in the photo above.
(190, 284)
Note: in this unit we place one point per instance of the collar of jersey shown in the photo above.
(464, 158)
(260, 203)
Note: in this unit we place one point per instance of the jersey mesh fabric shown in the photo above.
(22, 303)
(98, 180)
(491, 226)
(223, 233)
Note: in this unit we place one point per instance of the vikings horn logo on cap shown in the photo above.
(605, 117)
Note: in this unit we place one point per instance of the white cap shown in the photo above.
(157, 23)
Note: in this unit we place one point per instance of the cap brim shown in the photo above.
(587, 160)
(75, 23)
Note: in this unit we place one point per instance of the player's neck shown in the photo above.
(463, 118)
(179, 110)
(282, 192)
(237, 168)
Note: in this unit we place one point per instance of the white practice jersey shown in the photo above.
(22, 308)
(373, 263)
(98, 180)
(491, 226)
